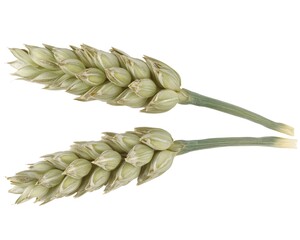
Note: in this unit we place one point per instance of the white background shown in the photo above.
(244, 52)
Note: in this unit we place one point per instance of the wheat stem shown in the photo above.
(194, 145)
(204, 101)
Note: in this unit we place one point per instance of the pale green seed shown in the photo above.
(105, 60)
(108, 160)
(83, 56)
(124, 174)
(139, 155)
(118, 53)
(32, 191)
(41, 166)
(126, 140)
(118, 76)
(29, 72)
(160, 163)
(68, 186)
(51, 178)
(42, 57)
(100, 146)
(168, 79)
(48, 77)
(61, 54)
(130, 99)
(78, 168)
(163, 101)
(61, 159)
(136, 67)
(108, 91)
(158, 139)
(92, 76)
(109, 139)
(23, 56)
(24, 196)
(72, 66)
(78, 87)
(144, 88)
(166, 76)
(98, 178)
(84, 151)
(38, 192)
(89, 150)
(51, 195)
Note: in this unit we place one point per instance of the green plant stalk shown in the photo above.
(204, 101)
(194, 145)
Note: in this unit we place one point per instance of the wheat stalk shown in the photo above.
(114, 161)
(118, 79)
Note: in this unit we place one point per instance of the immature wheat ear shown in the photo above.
(114, 161)
(118, 79)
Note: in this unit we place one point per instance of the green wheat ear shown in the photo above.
(114, 161)
(118, 79)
